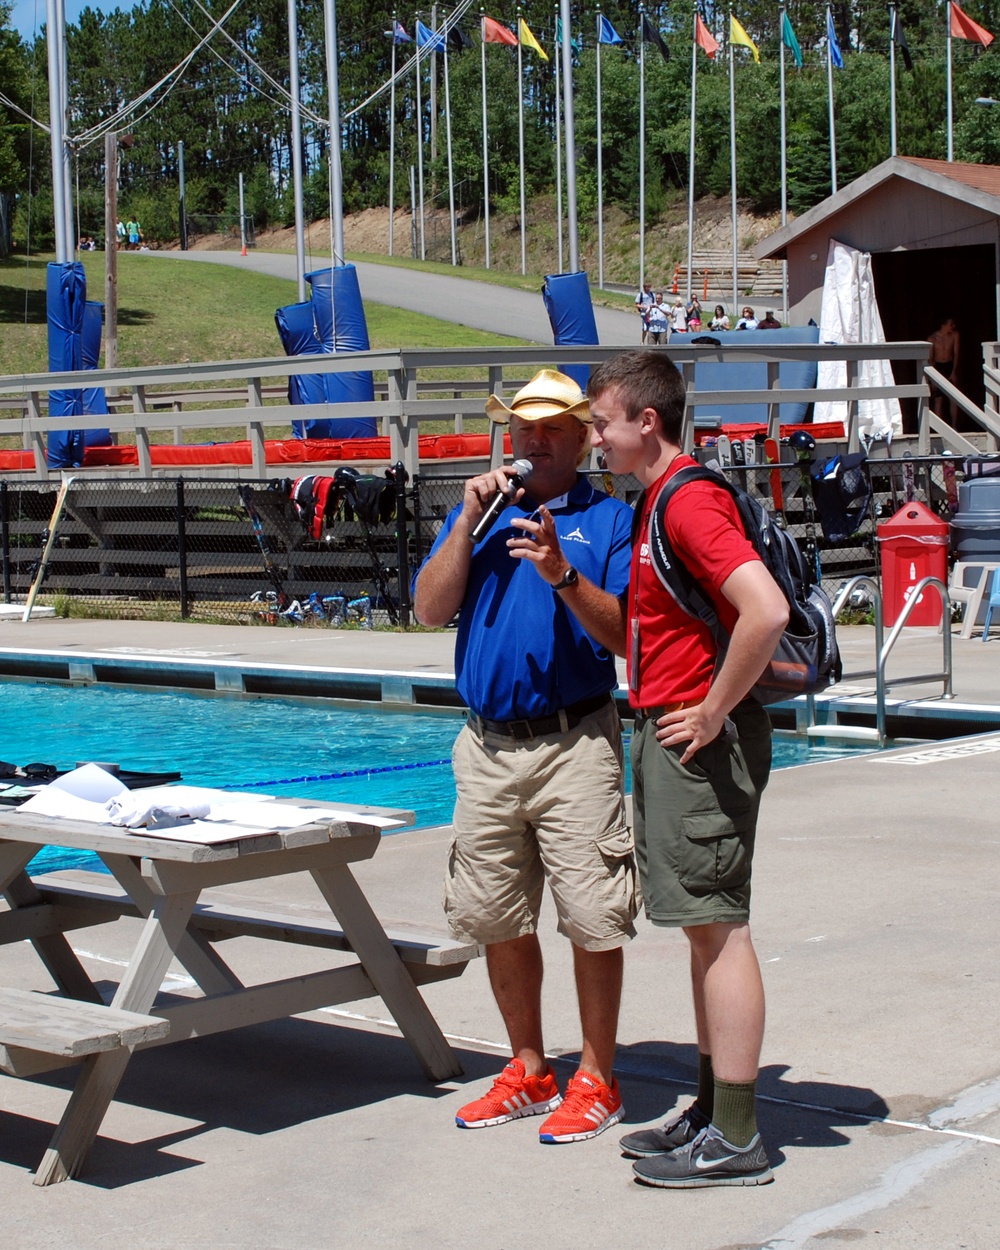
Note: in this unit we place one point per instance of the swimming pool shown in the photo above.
(286, 747)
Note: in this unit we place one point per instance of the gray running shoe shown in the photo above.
(679, 1131)
(708, 1160)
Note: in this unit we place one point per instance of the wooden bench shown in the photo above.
(69, 1027)
(428, 956)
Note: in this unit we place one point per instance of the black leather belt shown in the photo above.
(539, 726)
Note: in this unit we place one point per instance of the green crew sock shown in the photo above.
(706, 1085)
(735, 1113)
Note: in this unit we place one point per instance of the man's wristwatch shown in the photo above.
(569, 578)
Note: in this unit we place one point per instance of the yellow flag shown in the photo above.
(738, 35)
(529, 40)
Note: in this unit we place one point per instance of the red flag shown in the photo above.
(963, 27)
(493, 32)
(705, 39)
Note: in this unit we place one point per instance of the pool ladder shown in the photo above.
(883, 649)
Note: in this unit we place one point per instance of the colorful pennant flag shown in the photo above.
(607, 33)
(705, 39)
(399, 34)
(963, 27)
(427, 38)
(899, 39)
(574, 44)
(739, 36)
(458, 39)
(789, 40)
(832, 44)
(528, 40)
(650, 35)
(493, 32)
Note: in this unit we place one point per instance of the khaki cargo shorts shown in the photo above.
(548, 808)
(696, 823)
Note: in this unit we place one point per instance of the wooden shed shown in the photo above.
(933, 231)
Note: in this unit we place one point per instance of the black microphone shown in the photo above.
(523, 469)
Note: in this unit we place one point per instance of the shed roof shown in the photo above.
(972, 184)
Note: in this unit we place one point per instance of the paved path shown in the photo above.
(480, 305)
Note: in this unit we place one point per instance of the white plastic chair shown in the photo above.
(971, 597)
(994, 602)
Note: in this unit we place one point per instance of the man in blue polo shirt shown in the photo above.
(538, 766)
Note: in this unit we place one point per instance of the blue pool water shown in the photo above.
(282, 747)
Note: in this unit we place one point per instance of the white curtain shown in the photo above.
(850, 315)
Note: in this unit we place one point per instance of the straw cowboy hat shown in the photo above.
(548, 394)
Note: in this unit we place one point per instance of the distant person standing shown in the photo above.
(679, 317)
(120, 235)
(693, 311)
(720, 319)
(945, 344)
(748, 320)
(134, 233)
(643, 302)
(659, 321)
(770, 322)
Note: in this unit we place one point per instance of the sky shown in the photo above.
(28, 16)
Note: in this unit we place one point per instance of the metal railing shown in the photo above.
(884, 646)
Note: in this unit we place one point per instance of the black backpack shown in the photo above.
(806, 658)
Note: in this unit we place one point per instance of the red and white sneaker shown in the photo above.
(589, 1108)
(514, 1094)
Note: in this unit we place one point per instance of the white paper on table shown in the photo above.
(203, 832)
(188, 796)
(90, 782)
(52, 801)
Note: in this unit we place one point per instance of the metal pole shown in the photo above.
(829, 88)
(57, 136)
(486, 148)
(392, 134)
(600, 165)
(784, 152)
(951, 106)
(336, 173)
(559, 181)
(520, 137)
(694, 96)
(181, 194)
(451, 169)
(572, 228)
(732, 163)
(111, 251)
(66, 152)
(243, 233)
(413, 212)
(432, 93)
(892, 79)
(296, 112)
(420, 157)
(642, 153)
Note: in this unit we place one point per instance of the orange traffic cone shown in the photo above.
(677, 270)
(244, 251)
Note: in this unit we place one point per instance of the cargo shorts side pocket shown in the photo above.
(713, 853)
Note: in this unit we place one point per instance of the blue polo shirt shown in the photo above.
(520, 651)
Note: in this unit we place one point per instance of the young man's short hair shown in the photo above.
(644, 380)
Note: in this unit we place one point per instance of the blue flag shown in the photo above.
(399, 35)
(607, 33)
(427, 38)
(832, 44)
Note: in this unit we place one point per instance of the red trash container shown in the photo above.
(914, 545)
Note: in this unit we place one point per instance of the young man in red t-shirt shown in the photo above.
(701, 754)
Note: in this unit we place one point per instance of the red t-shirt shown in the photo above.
(677, 653)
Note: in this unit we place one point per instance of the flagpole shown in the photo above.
(336, 173)
(784, 150)
(559, 211)
(642, 152)
(600, 167)
(420, 155)
(951, 119)
(486, 150)
(892, 80)
(694, 90)
(296, 118)
(829, 91)
(572, 225)
(451, 168)
(392, 133)
(732, 158)
(520, 134)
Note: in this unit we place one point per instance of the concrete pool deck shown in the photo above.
(876, 922)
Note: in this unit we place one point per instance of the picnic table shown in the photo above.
(160, 880)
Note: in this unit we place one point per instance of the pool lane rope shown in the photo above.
(354, 772)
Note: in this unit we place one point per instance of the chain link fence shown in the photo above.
(233, 552)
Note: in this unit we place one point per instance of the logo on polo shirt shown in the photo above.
(575, 536)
